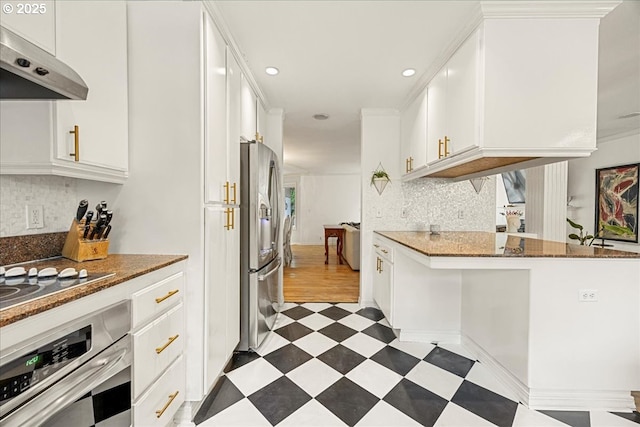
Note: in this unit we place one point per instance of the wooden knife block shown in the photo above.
(79, 249)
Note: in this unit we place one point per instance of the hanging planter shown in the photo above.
(380, 179)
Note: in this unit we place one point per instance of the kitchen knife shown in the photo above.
(106, 223)
(107, 231)
(100, 207)
(87, 224)
(97, 229)
(82, 209)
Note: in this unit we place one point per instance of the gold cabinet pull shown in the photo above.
(380, 270)
(377, 246)
(446, 146)
(233, 218)
(76, 143)
(378, 264)
(226, 193)
(166, 405)
(167, 344)
(235, 193)
(406, 165)
(410, 164)
(385, 251)
(168, 295)
(440, 149)
(228, 213)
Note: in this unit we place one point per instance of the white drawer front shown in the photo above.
(383, 250)
(154, 299)
(156, 346)
(166, 394)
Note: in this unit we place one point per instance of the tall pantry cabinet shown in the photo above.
(186, 117)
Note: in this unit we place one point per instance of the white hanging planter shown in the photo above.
(380, 184)
(380, 178)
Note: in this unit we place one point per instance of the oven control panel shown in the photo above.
(33, 367)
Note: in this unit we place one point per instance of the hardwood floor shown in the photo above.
(309, 279)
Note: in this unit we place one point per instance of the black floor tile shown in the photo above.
(341, 358)
(288, 358)
(450, 361)
(419, 403)
(297, 313)
(337, 331)
(347, 400)
(223, 395)
(486, 404)
(279, 399)
(293, 331)
(239, 359)
(335, 313)
(380, 332)
(631, 416)
(396, 360)
(572, 418)
(371, 313)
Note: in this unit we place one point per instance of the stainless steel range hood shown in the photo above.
(29, 72)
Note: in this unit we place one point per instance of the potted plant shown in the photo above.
(379, 179)
(584, 236)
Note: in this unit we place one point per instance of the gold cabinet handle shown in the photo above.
(410, 164)
(233, 218)
(226, 193)
(76, 143)
(167, 344)
(166, 405)
(235, 193)
(228, 212)
(385, 251)
(446, 146)
(440, 149)
(378, 264)
(169, 294)
(380, 270)
(377, 246)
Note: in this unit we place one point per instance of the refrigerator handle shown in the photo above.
(261, 277)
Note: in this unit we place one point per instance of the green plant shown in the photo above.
(584, 236)
(379, 174)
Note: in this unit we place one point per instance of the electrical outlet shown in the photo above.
(588, 295)
(403, 213)
(378, 212)
(35, 216)
(460, 214)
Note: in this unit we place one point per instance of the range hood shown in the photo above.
(29, 72)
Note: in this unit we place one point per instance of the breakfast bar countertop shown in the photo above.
(125, 267)
(487, 244)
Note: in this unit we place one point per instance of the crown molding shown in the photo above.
(547, 9)
(379, 112)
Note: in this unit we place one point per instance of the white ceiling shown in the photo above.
(336, 57)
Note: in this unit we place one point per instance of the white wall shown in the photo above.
(582, 175)
(324, 199)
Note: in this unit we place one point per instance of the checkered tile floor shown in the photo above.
(338, 364)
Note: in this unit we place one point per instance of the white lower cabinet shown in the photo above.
(160, 403)
(383, 279)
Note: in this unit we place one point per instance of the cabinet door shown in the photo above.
(462, 106)
(248, 125)
(384, 275)
(35, 21)
(215, 113)
(92, 39)
(436, 114)
(261, 120)
(234, 106)
(414, 134)
(233, 282)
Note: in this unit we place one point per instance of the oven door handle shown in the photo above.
(71, 388)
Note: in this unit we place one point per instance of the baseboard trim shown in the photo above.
(428, 336)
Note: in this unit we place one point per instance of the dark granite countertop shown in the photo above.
(486, 244)
(125, 267)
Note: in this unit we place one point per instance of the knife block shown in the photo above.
(80, 249)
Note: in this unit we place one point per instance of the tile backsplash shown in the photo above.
(58, 196)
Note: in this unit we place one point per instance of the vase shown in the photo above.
(513, 223)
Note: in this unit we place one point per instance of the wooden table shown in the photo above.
(333, 231)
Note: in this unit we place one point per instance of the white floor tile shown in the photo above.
(282, 320)
(287, 305)
(315, 343)
(272, 342)
(455, 416)
(385, 415)
(605, 419)
(363, 344)
(441, 382)
(384, 322)
(316, 321)
(357, 322)
(417, 349)
(314, 376)
(242, 413)
(253, 376)
(350, 306)
(458, 349)
(317, 306)
(480, 375)
(529, 418)
(312, 414)
(374, 378)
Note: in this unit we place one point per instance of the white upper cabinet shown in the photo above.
(234, 113)
(249, 116)
(39, 137)
(34, 21)
(436, 116)
(413, 137)
(261, 121)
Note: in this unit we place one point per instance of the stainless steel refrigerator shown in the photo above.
(260, 262)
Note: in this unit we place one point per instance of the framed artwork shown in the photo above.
(617, 201)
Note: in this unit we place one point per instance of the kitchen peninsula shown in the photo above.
(559, 323)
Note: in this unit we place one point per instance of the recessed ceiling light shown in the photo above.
(408, 72)
(321, 116)
(272, 71)
(628, 116)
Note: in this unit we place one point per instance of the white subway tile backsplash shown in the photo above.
(58, 196)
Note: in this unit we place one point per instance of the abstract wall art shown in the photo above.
(617, 201)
